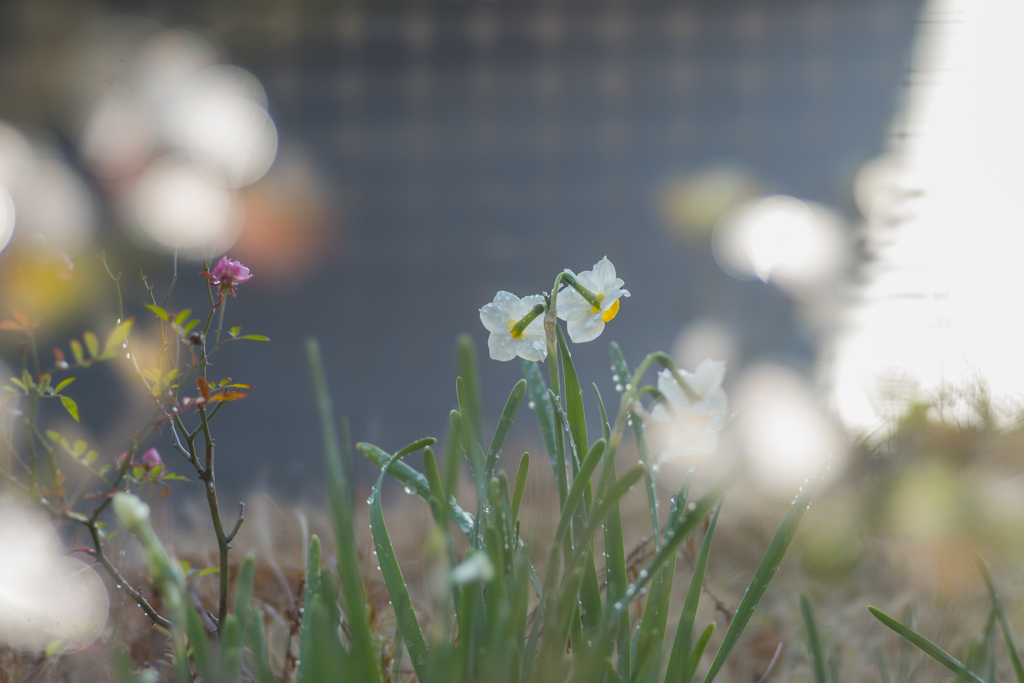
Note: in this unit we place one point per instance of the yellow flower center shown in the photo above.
(612, 311)
(511, 325)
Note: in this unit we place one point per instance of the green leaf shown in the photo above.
(258, 643)
(208, 571)
(200, 642)
(182, 316)
(63, 385)
(116, 338)
(997, 604)
(363, 653)
(517, 496)
(18, 383)
(397, 589)
(76, 351)
(545, 413)
(472, 412)
(508, 416)
(679, 668)
(70, 406)
(234, 331)
(189, 325)
(92, 343)
(762, 576)
(79, 447)
(639, 430)
(813, 640)
(415, 481)
(53, 435)
(926, 646)
(574, 409)
(254, 337)
(159, 312)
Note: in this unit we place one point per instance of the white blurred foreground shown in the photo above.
(48, 601)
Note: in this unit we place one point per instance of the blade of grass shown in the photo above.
(652, 491)
(508, 416)
(471, 380)
(546, 421)
(813, 641)
(517, 496)
(340, 494)
(997, 604)
(679, 669)
(652, 625)
(614, 548)
(926, 646)
(258, 644)
(762, 576)
(312, 591)
(393, 578)
(416, 482)
(674, 537)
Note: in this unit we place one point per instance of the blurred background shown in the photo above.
(759, 173)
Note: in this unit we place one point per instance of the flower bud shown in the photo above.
(151, 459)
(131, 512)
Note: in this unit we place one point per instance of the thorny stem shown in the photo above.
(121, 582)
(220, 320)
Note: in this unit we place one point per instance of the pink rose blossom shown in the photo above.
(229, 273)
(226, 275)
(151, 459)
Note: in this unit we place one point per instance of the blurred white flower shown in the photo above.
(585, 319)
(131, 512)
(500, 318)
(685, 426)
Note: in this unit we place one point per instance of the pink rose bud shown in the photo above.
(229, 273)
(151, 459)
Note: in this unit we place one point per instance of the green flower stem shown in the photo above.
(520, 327)
(593, 299)
(220, 319)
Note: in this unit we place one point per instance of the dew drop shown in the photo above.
(420, 659)
(618, 388)
(531, 405)
(408, 490)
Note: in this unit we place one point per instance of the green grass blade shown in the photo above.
(614, 547)
(546, 421)
(883, 670)
(473, 411)
(652, 491)
(575, 495)
(762, 576)
(573, 399)
(326, 658)
(258, 645)
(679, 669)
(397, 589)
(521, 476)
(340, 494)
(813, 641)
(416, 482)
(698, 651)
(470, 441)
(232, 646)
(997, 604)
(312, 591)
(200, 642)
(452, 463)
(508, 416)
(647, 643)
(926, 646)
(673, 538)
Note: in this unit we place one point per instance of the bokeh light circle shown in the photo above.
(180, 206)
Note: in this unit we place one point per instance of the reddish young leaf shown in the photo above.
(21, 318)
(10, 325)
(204, 387)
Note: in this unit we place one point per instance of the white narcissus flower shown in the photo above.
(500, 318)
(684, 426)
(584, 320)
